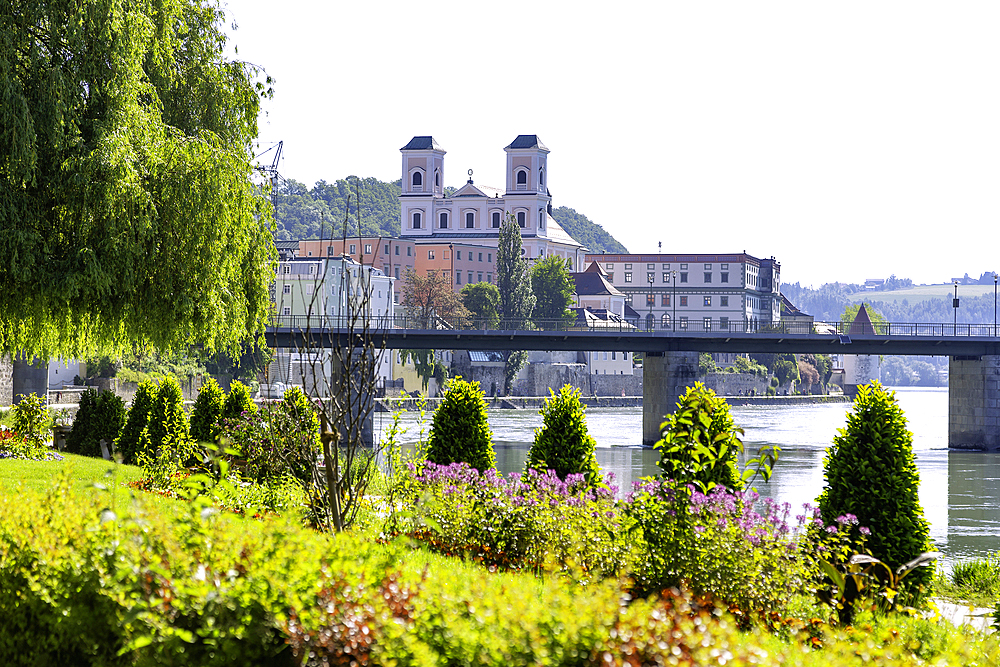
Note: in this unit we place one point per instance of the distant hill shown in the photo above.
(305, 213)
(587, 232)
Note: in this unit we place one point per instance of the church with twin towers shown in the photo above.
(473, 214)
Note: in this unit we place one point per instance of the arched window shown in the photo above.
(437, 178)
(443, 220)
(665, 321)
(496, 219)
(416, 220)
(418, 178)
(541, 218)
(521, 219)
(521, 178)
(470, 220)
(541, 177)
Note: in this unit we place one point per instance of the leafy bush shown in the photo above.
(101, 416)
(460, 431)
(528, 522)
(563, 444)
(207, 412)
(31, 420)
(870, 472)
(166, 433)
(274, 441)
(699, 441)
(129, 443)
(238, 401)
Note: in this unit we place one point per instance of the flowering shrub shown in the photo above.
(528, 522)
(13, 446)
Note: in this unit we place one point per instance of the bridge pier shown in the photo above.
(665, 376)
(974, 402)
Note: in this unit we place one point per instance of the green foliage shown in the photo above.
(30, 419)
(700, 442)
(427, 365)
(482, 300)
(863, 577)
(207, 412)
(101, 416)
(460, 430)
(129, 443)
(166, 433)
(129, 212)
(553, 289)
(563, 444)
(586, 232)
(851, 312)
(870, 472)
(706, 364)
(516, 300)
(238, 401)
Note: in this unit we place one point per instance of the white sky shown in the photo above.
(849, 140)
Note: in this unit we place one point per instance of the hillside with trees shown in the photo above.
(320, 211)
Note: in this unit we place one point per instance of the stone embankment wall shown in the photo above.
(509, 403)
(539, 378)
(6, 381)
(736, 384)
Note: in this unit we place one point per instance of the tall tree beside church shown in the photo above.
(553, 289)
(516, 299)
(128, 214)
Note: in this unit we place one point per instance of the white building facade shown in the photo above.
(474, 214)
(728, 292)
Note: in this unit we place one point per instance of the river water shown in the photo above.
(959, 491)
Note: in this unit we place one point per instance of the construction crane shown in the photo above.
(272, 174)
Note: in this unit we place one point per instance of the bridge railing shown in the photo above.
(643, 324)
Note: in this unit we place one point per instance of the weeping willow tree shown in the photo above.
(128, 215)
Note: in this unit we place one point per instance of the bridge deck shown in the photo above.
(824, 338)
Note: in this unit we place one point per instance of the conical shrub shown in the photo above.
(562, 443)
(870, 472)
(238, 401)
(207, 412)
(460, 430)
(167, 429)
(129, 442)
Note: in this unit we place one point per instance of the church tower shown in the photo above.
(527, 195)
(423, 180)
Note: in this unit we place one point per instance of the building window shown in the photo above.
(666, 277)
(665, 267)
(416, 221)
(437, 178)
(479, 277)
(443, 220)
(521, 219)
(286, 289)
(725, 277)
(684, 276)
(708, 301)
(470, 220)
(521, 178)
(397, 273)
(489, 257)
(541, 177)
(628, 267)
(409, 252)
(329, 251)
(708, 267)
(541, 218)
(723, 300)
(684, 301)
(664, 299)
(650, 277)
(724, 323)
(489, 277)
(628, 276)
(708, 277)
(707, 323)
(354, 248)
(665, 321)
(684, 323)
(496, 219)
(430, 254)
(286, 311)
(480, 257)
(650, 299)
(724, 267)
(368, 248)
(397, 250)
(611, 277)
(684, 267)
(385, 249)
(418, 179)
(286, 269)
(651, 266)
(458, 277)
(470, 277)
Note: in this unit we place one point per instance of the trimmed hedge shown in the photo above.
(207, 412)
(80, 584)
(101, 416)
(460, 430)
(563, 443)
